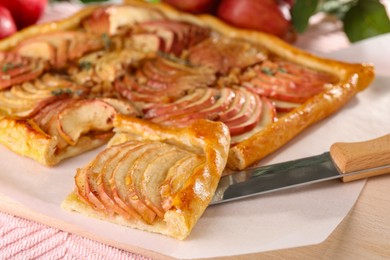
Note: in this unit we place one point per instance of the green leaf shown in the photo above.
(366, 19)
(301, 11)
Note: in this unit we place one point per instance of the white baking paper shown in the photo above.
(298, 217)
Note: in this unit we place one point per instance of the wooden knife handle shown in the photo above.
(353, 157)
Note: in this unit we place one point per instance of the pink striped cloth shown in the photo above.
(24, 239)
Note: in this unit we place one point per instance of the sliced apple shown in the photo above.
(137, 170)
(247, 119)
(36, 48)
(147, 42)
(246, 111)
(98, 22)
(83, 117)
(284, 106)
(121, 179)
(235, 106)
(103, 182)
(224, 99)
(177, 176)
(224, 54)
(155, 174)
(164, 109)
(177, 35)
(94, 172)
(123, 107)
(127, 15)
(206, 100)
(268, 116)
(16, 69)
(286, 81)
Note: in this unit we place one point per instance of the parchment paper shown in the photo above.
(292, 218)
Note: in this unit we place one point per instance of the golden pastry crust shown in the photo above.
(208, 139)
(352, 78)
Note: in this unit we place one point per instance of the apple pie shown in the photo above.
(62, 83)
(153, 177)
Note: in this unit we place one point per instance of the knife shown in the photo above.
(345, 161)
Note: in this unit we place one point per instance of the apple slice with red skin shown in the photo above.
(284, 106)
(154, 175)
(94, 172)
(127, 88)
(286, 81)
(47, 112)
(248, 118)
(122, 16)
(170, 34)
(163, 109)
(177, 176)
(166, 36)
(246, 111)
(235, 106)
(51, 126)
(123, 107)
(206, 100)
(59, 47)
(83, 189)
(120, 181)
(224, 100)
(177, 35)
(268, 116)
(98, 22)
(83, 117)
(37, 49)
(147, 42)
(222, 54)
(137, 170)
(14, 65)
(103, 182)
(224, 97)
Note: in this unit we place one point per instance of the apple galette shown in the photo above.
(62, 83)
(152, 177)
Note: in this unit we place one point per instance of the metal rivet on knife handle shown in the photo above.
(365, 159)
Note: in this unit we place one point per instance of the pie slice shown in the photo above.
(152, 177)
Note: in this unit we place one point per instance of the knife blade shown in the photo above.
(345, 161)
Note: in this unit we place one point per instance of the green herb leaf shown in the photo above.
(85, 65)
(7, 66)
(61, 91)
(267, 71)
(106, 41)
(366, 19)
(301, 12)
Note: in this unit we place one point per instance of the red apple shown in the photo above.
(7, 24)
(261, 15)
(25, 12)
(194, 6)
